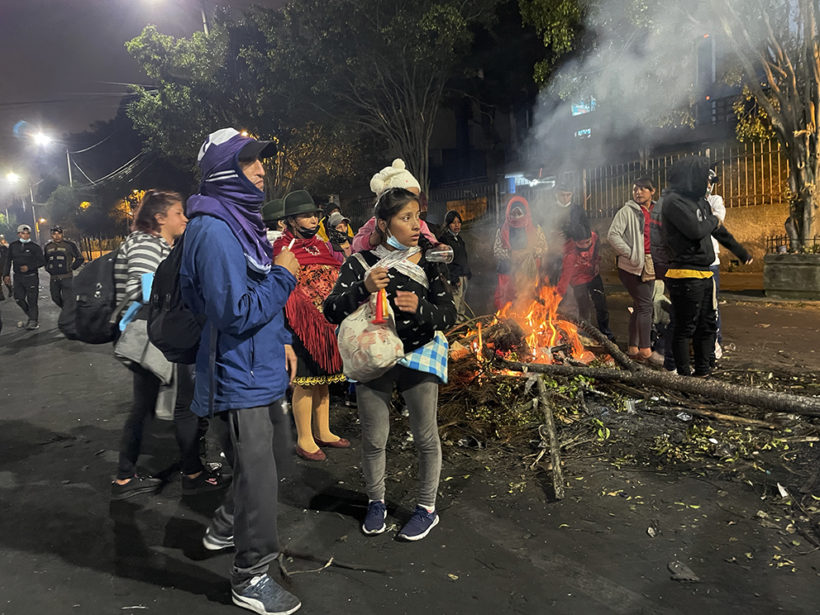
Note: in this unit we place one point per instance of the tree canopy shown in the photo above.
(228, 78)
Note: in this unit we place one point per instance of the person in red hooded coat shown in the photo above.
(519, 248)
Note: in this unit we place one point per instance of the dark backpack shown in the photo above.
(172, 327)
(96, 302)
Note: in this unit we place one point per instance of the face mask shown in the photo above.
(395, 243)
(307, 233)
(25, 240)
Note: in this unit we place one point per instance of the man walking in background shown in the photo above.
(4, 254)
(25, 258)
(63, 257)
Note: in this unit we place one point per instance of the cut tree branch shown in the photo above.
(769, 400)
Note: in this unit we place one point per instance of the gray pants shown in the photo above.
(420, 393)
(640, 321)
(250, 508)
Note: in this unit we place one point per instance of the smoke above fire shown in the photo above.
(646, 64)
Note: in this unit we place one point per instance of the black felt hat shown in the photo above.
(300, 202)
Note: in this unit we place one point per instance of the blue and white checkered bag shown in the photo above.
(430, 358)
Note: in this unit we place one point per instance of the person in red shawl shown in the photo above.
(519, 248)
(314, 339)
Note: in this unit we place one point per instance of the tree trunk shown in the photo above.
(769, 400)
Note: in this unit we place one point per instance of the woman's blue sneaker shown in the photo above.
(374, 519)
(419, 524)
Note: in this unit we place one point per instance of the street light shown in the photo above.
(14, 179)
(42, 139)
(202, 14)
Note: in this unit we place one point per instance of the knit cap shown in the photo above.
(394, 176)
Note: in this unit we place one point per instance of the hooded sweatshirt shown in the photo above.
(226, 276)
(688, 223)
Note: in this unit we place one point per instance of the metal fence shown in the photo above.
(783, 244)
(750, 174)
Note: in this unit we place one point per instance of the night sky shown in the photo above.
(63, 59)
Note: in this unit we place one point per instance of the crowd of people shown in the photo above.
(269, 282)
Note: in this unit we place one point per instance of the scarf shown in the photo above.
(231, 197)
(400, 261)
(311, 251)
(315, 279)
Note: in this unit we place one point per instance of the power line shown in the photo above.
(80, 151)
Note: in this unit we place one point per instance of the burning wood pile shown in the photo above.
(497, 360)
(528, 333)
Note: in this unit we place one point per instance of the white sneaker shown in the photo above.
(718, 351)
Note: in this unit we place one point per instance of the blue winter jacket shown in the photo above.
(246, 308)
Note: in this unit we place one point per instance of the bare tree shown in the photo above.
(776, 43)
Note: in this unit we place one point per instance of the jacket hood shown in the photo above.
(690, 176)
(227, 194)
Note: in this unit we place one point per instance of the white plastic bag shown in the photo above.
(368, 350)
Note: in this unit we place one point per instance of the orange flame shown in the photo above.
(542, 328)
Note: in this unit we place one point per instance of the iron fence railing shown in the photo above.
(782, 244)
(750, 174)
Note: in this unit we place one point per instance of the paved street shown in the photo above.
(499, 548)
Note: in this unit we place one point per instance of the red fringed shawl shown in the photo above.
(316, 277)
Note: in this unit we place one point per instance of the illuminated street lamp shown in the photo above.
(202, 14)
(14, 179)
(42, 139)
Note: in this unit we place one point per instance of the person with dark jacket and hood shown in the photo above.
(688, 226)
(459, 270)
(228, 277)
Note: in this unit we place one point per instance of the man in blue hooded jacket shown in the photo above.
(227, 276)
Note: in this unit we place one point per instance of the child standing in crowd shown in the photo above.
(158, 222)
(580, 270)
(460, 267)
(394, 176)
(418, 293)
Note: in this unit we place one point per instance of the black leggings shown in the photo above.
(186, 423)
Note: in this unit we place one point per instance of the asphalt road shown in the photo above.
(503, 546)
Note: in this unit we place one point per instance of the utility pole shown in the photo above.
(68, 164)
(204, 17)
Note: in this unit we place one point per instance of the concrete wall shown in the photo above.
(792, 276)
